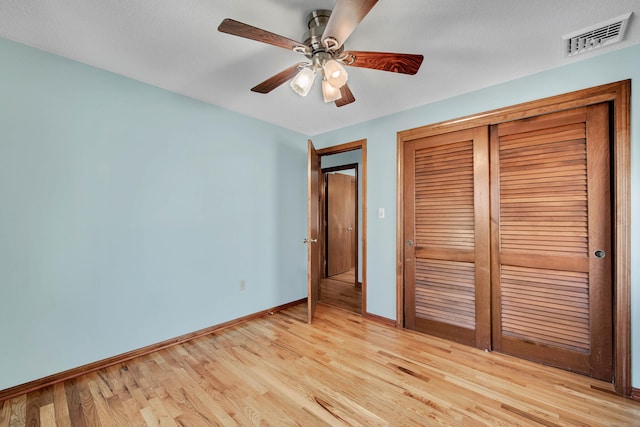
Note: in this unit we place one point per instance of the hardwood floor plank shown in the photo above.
(33, 408)
(60, 406)
(347, 276)
(117, 410)
(103, 412)
(157, 415)
(191, 401)
(5, 413)
(88, 403)
(48, 415)
(341, 294)
(18, 411)
(342, 370)
(133, 417)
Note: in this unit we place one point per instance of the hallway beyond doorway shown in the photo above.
(341, 291)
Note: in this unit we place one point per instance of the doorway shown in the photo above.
(339, 284)
(349, 156)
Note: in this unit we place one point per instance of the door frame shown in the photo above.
(324, 247)
(618, 94)
(362, 175)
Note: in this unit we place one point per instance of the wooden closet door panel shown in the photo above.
(446, 234)
(341, 214)
(550, 210)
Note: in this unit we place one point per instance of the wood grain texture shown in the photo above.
(363, 197)
(621, 157)
(445, 292)
(618, 92)
(404, 63)
(347, 277)
(343, 370)
(551, 186)
(240, 29)
(343, 148)
(446, 217)
(482, 247)
(342, 294)
(346, 96)
(342, 211)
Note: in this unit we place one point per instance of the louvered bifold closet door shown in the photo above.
(551, 216)
(446, 251)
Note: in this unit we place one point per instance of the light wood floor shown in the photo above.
(347, 276)
(340, 291)
(343, 370)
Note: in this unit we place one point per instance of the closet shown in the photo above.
(506, 235)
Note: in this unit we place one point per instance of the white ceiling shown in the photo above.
(175, 45)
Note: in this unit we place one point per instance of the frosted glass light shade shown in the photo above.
(330, 93)
(335, 73)
(302, 82)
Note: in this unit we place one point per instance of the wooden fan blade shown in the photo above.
(273, 82)
(345, 17)
(404, 63)
(236, 28)
(347, 97)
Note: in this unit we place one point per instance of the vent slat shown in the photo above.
(603, 34)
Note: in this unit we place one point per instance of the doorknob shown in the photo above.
(599, 253)
(409, 242)
(310, 241)
(350, 228)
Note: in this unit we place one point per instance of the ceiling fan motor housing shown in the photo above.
(316, 23)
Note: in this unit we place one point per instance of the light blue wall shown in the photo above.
(129, 215)
(381, 163)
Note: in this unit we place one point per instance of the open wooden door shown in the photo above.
(313, 253)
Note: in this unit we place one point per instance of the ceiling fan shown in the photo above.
(324, 48)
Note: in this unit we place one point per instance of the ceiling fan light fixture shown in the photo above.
(324, 46)
(335, 73)
(302, 82)
(330, 93)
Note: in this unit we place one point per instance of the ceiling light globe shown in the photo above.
(330, 93)
(335, 73)
(302, 82)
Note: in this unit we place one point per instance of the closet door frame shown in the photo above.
(618, 94)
